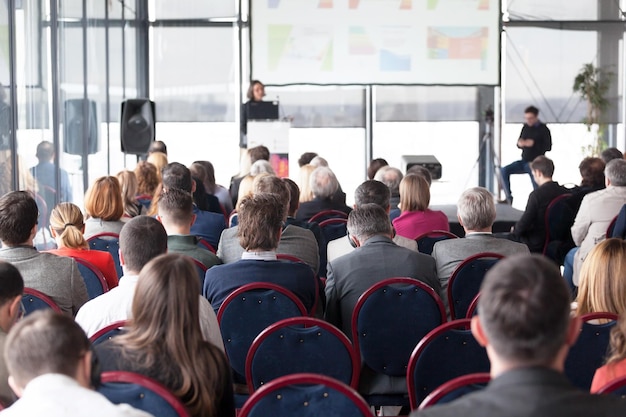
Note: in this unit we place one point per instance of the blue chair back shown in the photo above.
(464, 284)
(305, 395)
(334, 228)
(108, 242)
(246, 312)
(34, 300)
(426, 242)
(619, 227)
(94, 280)
(390, 318)
(145, 200)
(108, 332)
(447, 352)
(456, 388)
(141, 393)
(301, 345)
(590, 349)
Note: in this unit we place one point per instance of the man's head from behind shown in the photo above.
(176, 175)
(542, 169)
(18, 218)
(476, 210)
(323, 183)
(45, 151)
(269, 184)
(46, 342)
(11, 289)
(610, 154)
(372, 192)
(176, 211)
(141, 239)
(391, 177)
(615, 173)
(524, 315)
(367, 221)
(157, 146)
(261, 219)
(259, 153)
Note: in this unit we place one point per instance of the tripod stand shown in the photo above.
(492, 159)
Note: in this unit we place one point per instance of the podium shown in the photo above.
(274, 134)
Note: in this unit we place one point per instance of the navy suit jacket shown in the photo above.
(221, 280)
(208, 226)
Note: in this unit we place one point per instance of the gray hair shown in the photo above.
(391, 177)
(261, 166)
(323, 183)
(476, 209)
(367, 221)
(318, 161)
(615, 171)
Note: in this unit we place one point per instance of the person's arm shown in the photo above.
(527, 222)
(582, 222)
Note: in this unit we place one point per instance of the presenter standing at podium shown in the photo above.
(255, 94)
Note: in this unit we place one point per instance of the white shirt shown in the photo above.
(259, 256)
(55, 395)
(116, 305)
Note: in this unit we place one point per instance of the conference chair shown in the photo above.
(615, 387)
(34, 300)
(445, 353)
(305, 395)
(590, 349)
(619, 227)
(94, 279)
(108, 242)
(320, 283)
(472, 310)
(465, 281)
(328, 214)
(334, 228)
(456, 388)
(145, 200)
(140, 392)
(388, 320)
(108, 332)
(426, 241)
(558, 219)
(206, 245)
(611, 228)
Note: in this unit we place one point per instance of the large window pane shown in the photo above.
(6, 119)
(554, 9)
(193, 9)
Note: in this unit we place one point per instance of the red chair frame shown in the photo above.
(104, 234)
(115, 325)
(472, 307)
(148, 383)
(437, 233)
(302, 379)
(434, 397)
(334, 220)
(207, 245)
(43, 297)
(330, 214)
(306, 322)
(466, 261)
(95, 270)
(287, 257)
(613, 385)
(598, 316)
(554, 201)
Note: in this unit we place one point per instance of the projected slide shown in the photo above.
(375, 41)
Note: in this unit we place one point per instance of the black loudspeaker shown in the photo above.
(429, 162)
(137, 128)
(79, 112)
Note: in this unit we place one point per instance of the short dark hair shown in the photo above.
(177, 205)
(11, 282)
(45, 151)
(294, 196)
(250, 92)
(176, 175)
(611, 153)
(421, 171)
(525, 309)
(260, 218)
(543, 165)
(372, 191)
(592, 172)
(532, 109)
(45, 342)
(306, 158)
(18, 216)
(375, 165)
(259, 153)
(142, 239)
(158, 146)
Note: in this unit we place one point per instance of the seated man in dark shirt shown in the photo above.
(261, 219)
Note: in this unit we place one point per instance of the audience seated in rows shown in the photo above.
(128, 185)
(416, 218)
(294, 241)
(142, 239)
(370, 192)
(260, 226)
(615, 366)
(476, 211)
(164, 340)
(104, 207)
(213, 188)
(67, 227)
(324, 187)
(51, 369)
(248, 158)
(11, 290)
(530, 228)
(391, 177)
(176, 216)
(56, 276)
(525, 325)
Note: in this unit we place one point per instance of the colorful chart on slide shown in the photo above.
(376, 41)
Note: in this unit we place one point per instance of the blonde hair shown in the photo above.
(414, 193)
(603, 279)
(159, 160)
(103, 200)
(245, 190)
(305, 182)
(67, 221)
(617, 345)
(128, 184)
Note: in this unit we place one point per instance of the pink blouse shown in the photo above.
(411, 224)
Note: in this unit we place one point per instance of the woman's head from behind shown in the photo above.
(159, 160)
(128, 185)
(103, 199)
(603, 279)
(67, 226)
(147, 178)
(414, 193)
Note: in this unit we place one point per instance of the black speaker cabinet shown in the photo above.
(78, 113)
(137, 128)
(427, 161)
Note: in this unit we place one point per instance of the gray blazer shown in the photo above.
(450, 253)
(55, 276)
(295, 241)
